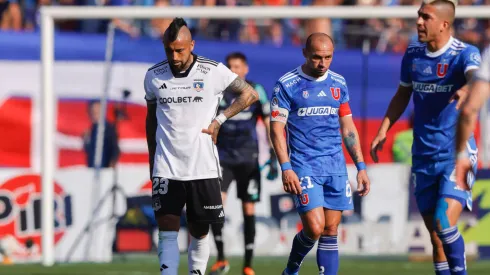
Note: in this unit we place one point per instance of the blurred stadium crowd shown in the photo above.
(391, 35)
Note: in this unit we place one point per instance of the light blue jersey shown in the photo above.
(310, 108)
(434, 78)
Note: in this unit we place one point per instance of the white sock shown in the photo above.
(168, 252)
(198, 255)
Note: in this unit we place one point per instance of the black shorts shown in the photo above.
(247, 177)
(202, 198)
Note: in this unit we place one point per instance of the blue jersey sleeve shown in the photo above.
(470, 58)
(344, 94)
(280, 104)
(405, 75)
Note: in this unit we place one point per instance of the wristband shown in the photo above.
(462, 155)
(361, 166)
(286, 166)
(221, 118)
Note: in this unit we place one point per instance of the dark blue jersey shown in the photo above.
(434, 78)
(237, 138)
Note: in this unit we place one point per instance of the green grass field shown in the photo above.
(263, 266)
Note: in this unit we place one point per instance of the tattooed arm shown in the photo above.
(246, 96)
(351, 138)
(353, 145)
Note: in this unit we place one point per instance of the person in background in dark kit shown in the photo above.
(110, 151)
(239, 152)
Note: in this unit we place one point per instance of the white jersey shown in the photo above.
(187, 103)
(484, 72)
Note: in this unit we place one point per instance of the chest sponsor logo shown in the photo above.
(318, 111)
(431, 88)
(180, 99)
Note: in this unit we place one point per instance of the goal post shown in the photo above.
(50, 14)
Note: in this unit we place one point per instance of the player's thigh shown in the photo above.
(204, 204)
(227, 177)
(168, 200)
(337, 193)
(313, 222)
(426, 192)
(248, 181)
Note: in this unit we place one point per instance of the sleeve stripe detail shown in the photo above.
(472, 67)
(336, 74)
(158, 65)
(404, 84)
(291, 76)
(288, 74)
(205, 60)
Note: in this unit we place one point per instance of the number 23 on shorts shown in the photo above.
(160, 186)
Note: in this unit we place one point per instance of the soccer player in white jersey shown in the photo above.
(311, 103)
(182, 96)
(479, 94)
(436, 70)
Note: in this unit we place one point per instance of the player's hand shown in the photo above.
(460, 96)
(291, 183)
(212, 130)
(377, 145)
(463, 166)
(363, 183)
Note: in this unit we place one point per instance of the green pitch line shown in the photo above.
(263, 266)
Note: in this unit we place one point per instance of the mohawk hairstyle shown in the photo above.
(174, 28)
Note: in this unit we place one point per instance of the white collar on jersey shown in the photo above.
(441, 50)
(321, 78)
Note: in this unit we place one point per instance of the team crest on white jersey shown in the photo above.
(198, 86)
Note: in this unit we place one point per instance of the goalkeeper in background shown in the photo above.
(239, 157)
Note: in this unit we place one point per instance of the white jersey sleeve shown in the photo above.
(149, 94)
(224, 77)
(484, 72)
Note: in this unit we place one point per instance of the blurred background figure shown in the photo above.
(110, 151)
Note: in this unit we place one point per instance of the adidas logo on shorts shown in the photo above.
(221, 214)
(196, 271)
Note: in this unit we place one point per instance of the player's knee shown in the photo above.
(248, 208)
(441, 220)
(198, 230)
(168, 223)
(435, 241)
(330, 230)
(314, 231)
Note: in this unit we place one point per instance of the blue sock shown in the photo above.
(442, 268)
(453, 244)
(327, 256)
(302, 244)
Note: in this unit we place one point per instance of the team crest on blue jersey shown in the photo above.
(198, 86)
(335, 91)
(442, 69)
(306, 94)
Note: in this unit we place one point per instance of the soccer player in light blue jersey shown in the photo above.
(436, 70)
(311, 103)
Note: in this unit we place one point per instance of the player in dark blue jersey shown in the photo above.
(239, 157)
(436, 70)
(311, 104)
